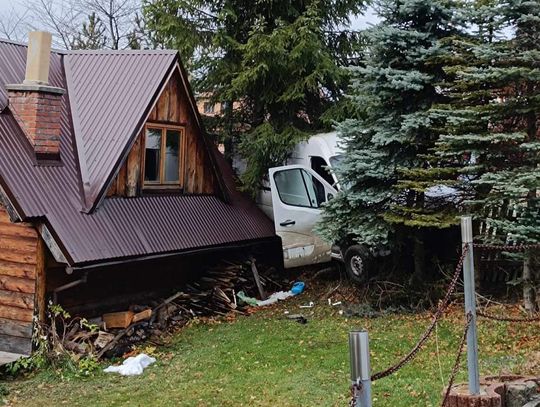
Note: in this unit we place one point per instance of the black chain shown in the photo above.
(438, 314)
(507, 319)
(507, 248)
(457, 363)
(355, 391)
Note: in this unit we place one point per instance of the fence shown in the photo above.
(361, 376)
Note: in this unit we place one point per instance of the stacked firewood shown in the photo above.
(213, 294)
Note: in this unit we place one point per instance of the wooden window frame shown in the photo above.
(162, 184)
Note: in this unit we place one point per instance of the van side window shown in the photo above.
(298, 188)
(319, 165)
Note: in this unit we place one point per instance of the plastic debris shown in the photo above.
(248, 300)
(132, 366)
(310, 305)
(296, 289)
(280, 295)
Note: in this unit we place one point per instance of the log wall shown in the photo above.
(172, 108)
(21, 271)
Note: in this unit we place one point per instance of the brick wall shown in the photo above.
(38, 114)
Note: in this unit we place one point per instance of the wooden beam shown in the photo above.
(15, 269)
(16, 299)
(15, 344)
(17, 284)
(15, 328)
(50, 242)
(40, 302)
(16, 314)
(134, 168)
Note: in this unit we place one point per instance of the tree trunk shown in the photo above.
(529, 294)
(419, 252)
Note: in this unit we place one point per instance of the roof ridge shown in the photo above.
(24, 45)
(121, 51)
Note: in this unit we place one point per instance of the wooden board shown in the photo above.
(15, 344)
(16, 299)
(15, 328)
(16, 284)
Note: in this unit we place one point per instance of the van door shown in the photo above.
(298, 194)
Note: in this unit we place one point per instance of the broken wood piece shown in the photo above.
(257, 280)
(118, 319)
(142, 316)
(103, 339)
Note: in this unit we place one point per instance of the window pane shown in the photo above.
(152, 155)
(291, 188)
(315, 190)
(172, 161)
(319, 165)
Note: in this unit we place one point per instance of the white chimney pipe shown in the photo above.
(38, 58)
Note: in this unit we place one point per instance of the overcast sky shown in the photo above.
(358, 23)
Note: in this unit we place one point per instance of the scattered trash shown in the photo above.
(310, 305)
(298, 318)
(336, 303)
(280, 295)
(298, 288)
(286, 312)
(247, 300)
(340, 312)
(132, 366)
(329, 301)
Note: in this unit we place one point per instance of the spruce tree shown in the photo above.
(393, 93)
(491, 126)
(277, 62)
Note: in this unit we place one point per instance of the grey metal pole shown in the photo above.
(360, 366)
(470, 305)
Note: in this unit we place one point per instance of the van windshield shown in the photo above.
(336, 160)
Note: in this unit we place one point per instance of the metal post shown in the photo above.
(360, 366)
(470, 305)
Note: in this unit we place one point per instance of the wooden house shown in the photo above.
(105, 169)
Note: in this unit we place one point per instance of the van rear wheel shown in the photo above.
(357, 263)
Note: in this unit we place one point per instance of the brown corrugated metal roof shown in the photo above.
(119, 228)
(110, 93)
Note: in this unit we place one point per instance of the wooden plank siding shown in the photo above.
(20, 260)
(172, 108)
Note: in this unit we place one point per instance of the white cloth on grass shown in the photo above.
(132, 366)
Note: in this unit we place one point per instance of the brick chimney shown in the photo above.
(36, 105)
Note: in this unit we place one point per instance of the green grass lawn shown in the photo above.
(266, 360)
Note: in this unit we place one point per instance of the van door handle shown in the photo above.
(288, 222)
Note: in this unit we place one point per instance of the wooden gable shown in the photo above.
(173, 108)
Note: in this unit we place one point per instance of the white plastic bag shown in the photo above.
(132, 366)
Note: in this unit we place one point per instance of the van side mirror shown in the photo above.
(329, 196)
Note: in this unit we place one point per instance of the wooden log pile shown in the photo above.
(213, 294)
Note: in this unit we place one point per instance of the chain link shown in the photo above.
(355, 391)
(457, 363)
(436, 317)
(507, 319)
(507, 248)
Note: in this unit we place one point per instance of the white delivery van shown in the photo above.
(293, 198)
(294, 201)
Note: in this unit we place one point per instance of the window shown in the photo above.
(208, 108)
(296, 187)
(162, 157)
(319, 165)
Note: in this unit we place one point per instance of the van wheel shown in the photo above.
(357, 263)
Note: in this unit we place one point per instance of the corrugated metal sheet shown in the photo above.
(119, 228)
(109, 94)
